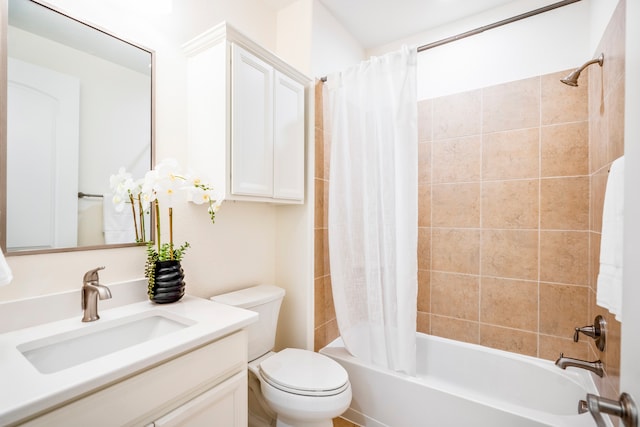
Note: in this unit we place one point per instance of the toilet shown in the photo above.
(293, 387)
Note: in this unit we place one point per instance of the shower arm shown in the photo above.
(599, 60)
(572, 79)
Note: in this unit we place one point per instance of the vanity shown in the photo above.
(140, 364)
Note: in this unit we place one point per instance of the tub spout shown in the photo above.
(595, 367)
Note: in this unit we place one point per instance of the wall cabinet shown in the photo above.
(207, 386)
(247, 122)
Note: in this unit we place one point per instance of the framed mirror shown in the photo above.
(79, 106)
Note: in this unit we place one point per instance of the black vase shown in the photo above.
(168, 284)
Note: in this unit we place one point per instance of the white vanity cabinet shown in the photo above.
(246, 112)
(204, 387)
(223, 405)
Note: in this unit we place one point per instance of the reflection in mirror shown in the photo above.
(79, 107)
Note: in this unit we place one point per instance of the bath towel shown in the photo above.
(609, 293)
(117, 226)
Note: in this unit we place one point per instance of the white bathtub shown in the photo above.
(460, 384)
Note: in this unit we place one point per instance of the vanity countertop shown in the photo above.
(25, 391)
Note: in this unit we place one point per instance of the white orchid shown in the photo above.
(148, 189)
(169, 182)
(162, 186)
(125, 189)
(199, 193)
(122, 186)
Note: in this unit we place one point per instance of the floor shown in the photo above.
(341, 422)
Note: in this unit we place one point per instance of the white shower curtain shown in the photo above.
(373, 214)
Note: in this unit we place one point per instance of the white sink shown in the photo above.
(55, 353)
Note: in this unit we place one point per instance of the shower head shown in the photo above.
(572, 79)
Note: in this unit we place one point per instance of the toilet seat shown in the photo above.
(304, 372)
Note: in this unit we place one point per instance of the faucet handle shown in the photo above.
(625, 408)
(92, 275)
(597, 331)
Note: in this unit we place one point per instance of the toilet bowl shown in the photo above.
(300, 388)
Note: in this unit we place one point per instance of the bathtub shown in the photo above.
(460, 384)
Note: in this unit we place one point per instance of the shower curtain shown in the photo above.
(371, 115)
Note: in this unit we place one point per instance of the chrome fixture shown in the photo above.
(625, 408)
(583, 407)
(91, 290)
(597, 331)
(595, 367)
(572, 79)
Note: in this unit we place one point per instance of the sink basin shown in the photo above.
(55, 353)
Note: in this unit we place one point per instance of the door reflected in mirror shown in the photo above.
(79, 107)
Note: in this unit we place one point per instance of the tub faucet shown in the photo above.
(595, 367)
(91, 290)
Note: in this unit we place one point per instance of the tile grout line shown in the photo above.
(533, 178)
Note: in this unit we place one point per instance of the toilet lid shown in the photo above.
(304, 372)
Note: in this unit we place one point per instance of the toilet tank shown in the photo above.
(264, 300)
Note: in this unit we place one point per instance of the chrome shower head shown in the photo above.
(572, 79)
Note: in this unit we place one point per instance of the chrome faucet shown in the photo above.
(597, 331)
(595, 367)
(91, 290)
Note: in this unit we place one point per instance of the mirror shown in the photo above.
(79, 107)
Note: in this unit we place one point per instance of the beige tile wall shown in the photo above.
(606, 120)
(504, 219)
(512, 182)
(326, 326)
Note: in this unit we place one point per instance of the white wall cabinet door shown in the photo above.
(288, 166)
(251, 125)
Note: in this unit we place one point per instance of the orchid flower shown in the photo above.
(162, 186)
(122, 185)
(200, 193)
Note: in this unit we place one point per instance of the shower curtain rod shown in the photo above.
(490, 26)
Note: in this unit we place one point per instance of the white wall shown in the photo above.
(546, 43)
(240, 248)
(294, 246)
(532, 47)
(601, 12)
(333, 48)
(294, 38)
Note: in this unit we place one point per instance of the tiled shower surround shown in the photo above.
(503, 230)
(326, 326)
(511, 188)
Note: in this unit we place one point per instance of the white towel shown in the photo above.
(609, 293)
(5, 271)
(117, 226)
